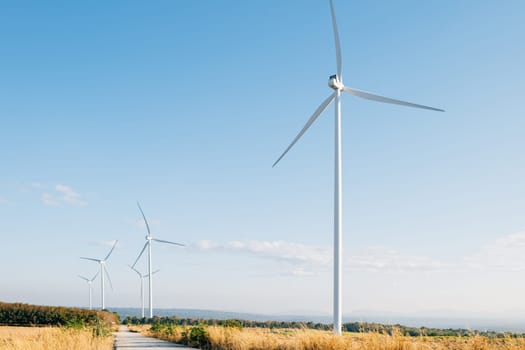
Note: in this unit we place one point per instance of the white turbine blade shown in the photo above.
(369, 96)
(107, 275)
(142, 251)
(309, 123)
(144, 216)
(111, 251)
(95, 276)
(163, 241)
(337, 43)
(154, 272)
(97, 260)
(84, 278)
(134, 269)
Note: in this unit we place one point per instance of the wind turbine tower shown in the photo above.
(142, 276)
(335, 82)
(149, 239)
(103, 272)
(89, 282)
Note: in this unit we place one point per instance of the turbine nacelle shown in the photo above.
(335, 83)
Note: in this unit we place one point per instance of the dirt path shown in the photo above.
(126, 340)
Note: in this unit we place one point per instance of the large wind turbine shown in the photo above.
(89, 282)
(142, 276)
(149, 238)
(335, 82)
(103, 272)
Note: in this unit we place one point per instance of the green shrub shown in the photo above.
(18, 314)
(232, 324)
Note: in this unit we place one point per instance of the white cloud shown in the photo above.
(62, 194)
(69, 195)
(301, 259)
(306, 259)
(50, 200)
(504, 254)
(4, 201)
(383, 259)
(275, 250)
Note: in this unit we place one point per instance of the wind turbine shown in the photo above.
(142, 276)
(89, 282)
(335, 82)
(103, 272)
(149, 238)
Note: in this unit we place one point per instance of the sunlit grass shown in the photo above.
(228, 338)
(52, 338)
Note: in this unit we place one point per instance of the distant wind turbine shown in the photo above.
(335, 82)
(149, 238)
(142, 276)
(103, 272)
(89, 282)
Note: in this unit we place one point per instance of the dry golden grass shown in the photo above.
(51, 338)
(221, 338)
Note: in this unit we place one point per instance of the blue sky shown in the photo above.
(184, 106)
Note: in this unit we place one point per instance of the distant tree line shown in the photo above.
(356, 327)
(18, 314)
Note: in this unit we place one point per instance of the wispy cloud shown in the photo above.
(49, 200)
(384, 259)
(308, 259)
(300, 258)
(504, 254)
(4, 201)
(60, 195)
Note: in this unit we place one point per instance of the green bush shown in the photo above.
(232, 324)
(18, 314)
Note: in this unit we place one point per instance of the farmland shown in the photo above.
(51, 338)
(26, 326)
(238, 338)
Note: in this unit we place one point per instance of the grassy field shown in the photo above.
(228, 338)
(51, 338)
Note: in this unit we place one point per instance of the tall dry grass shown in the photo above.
(224, 338)
(51, 338)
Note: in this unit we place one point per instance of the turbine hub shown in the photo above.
(335, 83)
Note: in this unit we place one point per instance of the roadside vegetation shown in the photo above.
(51, 338)
(24, 327)
(232, 335)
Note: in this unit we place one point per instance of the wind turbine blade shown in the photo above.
(107, 275)
(84, 278)
(111, 251)
(97, 260)
(134, 269)
(142, 251)
(337, 43)
(309, 123)
(369, 96)
(154, 272)
(144, 216)
(95, 276)
(163, 241)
